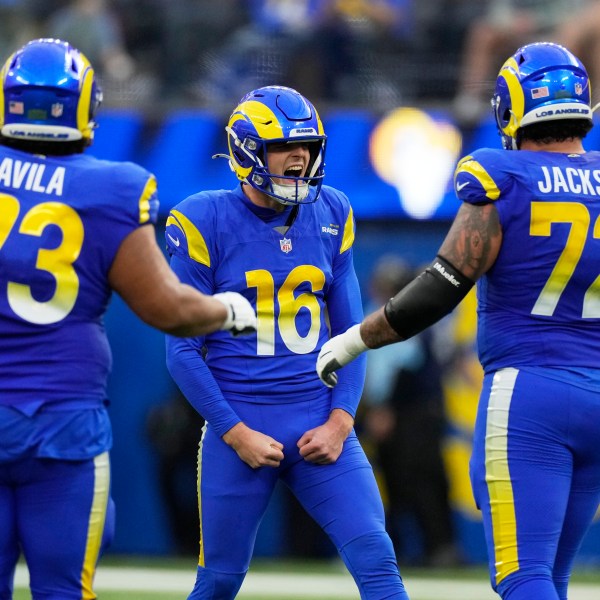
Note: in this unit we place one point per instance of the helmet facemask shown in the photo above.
(289, 189)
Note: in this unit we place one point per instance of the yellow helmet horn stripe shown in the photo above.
(2, 78)
(264, 121)
(321, 128)
(240, 171)
(85, 98)
(263, 118)
(509, 71)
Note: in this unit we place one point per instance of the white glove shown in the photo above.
(337, 352)
(241, 318)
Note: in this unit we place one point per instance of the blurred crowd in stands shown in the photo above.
(159, 54)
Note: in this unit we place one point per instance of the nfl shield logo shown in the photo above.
(56, 110)
(578, 89)
(286, 245)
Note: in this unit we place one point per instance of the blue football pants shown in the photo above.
(60, 515)
(535, 472)
(342, 498)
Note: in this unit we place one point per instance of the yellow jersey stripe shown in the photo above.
(497, 473)
(96, 524)
(199, 489)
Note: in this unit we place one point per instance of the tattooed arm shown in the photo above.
(469, 250)
(474, 240)
(470, 247)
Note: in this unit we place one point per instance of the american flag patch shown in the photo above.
(541, 92)
(16, 108)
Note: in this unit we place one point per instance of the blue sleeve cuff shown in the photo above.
(348, 392)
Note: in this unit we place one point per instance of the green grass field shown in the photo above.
(150, 579)
(24, 595)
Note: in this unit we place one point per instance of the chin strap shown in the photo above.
(295, 193)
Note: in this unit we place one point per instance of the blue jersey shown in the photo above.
(62, 220)
(539, 304)
(297, 280)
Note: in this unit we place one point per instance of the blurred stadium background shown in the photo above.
(171, 72)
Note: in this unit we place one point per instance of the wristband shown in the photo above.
(353, 342)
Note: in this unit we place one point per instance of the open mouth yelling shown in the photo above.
(293, 171)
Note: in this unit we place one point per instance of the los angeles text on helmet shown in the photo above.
(37, 135)
(540, 114)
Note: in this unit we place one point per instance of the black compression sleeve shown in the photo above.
(427, 298)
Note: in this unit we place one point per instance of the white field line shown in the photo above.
(282, 585)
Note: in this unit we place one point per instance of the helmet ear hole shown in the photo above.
(240, 157)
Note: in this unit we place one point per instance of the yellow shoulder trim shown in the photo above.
(348, 237)
(197, 248)
(144, 203)
(468, 165)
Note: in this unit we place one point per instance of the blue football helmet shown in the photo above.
(276, 114)
(49, 93)
(540, 82)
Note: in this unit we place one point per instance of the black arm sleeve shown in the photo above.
(427, 298)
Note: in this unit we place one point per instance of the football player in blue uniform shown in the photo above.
(528, 231)
(72, 229)
(284, 240)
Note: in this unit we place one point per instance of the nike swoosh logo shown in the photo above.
(460, 186)
(174, 240)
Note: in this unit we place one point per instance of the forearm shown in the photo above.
(342, 421)
(197, 312)
(192, 375)
(141, 275)
(469, 250)
(436, 292)
(429, 297)
(345, 308)
(188, 313)
(376, 331)
(346, 396)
